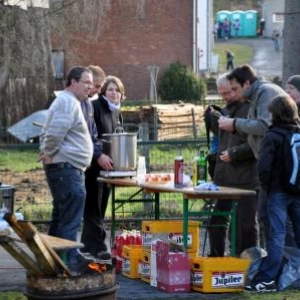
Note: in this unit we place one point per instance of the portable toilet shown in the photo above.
(237, 15)
(249, 23)
(223, 14)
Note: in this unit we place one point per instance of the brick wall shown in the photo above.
(132, 35)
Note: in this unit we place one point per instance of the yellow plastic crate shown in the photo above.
(170, 230)
(131, 256)
(218, 274)
(144, 265)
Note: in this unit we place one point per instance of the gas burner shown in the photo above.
(116, 173)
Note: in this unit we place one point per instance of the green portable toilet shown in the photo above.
(249, 23)
(237, 14)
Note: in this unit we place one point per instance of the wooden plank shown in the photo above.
(50, 263)
(20, 255)
(45, 254)
(59, 244)
(13, 223)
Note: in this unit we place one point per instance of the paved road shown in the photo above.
(266, 60)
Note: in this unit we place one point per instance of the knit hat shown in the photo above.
(295, 81)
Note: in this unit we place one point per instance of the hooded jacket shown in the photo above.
(260, 93)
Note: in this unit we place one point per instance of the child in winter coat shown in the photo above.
(281, 202)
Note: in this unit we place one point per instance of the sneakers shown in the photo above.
(262, 287)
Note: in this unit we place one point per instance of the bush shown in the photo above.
(179, 82)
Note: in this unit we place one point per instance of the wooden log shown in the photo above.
(44, 253)
(60, 244)
(48, 260)
(20, 255)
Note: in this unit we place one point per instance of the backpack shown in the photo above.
(291, 163)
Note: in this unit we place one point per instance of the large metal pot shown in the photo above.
(121, 147)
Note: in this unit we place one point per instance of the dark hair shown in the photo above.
(283, 109)
(243, 73)
(117, 81)
(76, 73)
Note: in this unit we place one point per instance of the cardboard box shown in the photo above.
(144, 265)
(218, 274)
(153, 264)
(170, 230)
(173, 268)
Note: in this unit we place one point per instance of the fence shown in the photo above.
(19, 167)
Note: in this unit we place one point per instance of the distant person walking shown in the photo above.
(275, 39)
(230, 60)
(261, 28)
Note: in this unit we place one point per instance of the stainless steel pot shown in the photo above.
(121, 147)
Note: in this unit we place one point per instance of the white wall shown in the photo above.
(204, 34)
(269, 8)
(27, 3)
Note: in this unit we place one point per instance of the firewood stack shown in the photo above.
(44, 261)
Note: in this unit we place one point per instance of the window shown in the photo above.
(278, 18)
(58, 60)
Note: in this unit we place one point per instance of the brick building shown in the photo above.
(128, 38)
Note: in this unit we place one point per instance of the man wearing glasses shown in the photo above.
(66, 151)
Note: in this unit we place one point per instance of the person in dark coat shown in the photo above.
(107, 117)
(235, 167)
(280, 202)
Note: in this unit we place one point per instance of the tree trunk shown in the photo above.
(291, 43)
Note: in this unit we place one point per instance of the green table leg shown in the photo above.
(185, 222)
(233, 228)
(113, 212)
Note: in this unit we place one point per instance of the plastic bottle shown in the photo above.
(202, 168)
(195, 170)
(178, 172)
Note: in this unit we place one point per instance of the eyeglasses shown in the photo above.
(87, 83)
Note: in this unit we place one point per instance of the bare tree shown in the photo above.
(291, 43)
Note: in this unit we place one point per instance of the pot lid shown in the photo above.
(119, 131)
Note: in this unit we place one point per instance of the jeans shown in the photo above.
(264, 223)
(97, 195)
(279, 206)
(68, 192)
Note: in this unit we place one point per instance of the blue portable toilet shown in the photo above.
(237, 15)
(249, 23)
(222, 14)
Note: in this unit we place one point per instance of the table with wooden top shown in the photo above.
(117, 203)
(189, 193)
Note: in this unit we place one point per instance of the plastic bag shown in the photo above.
(290, 274)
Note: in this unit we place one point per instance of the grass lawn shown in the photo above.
(242, 54)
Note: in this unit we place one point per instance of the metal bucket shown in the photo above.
(7, 198)
(84, 287)
(121, 147)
